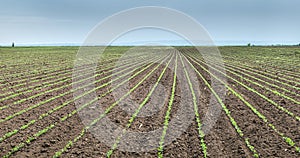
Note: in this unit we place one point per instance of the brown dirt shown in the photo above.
(221, 141)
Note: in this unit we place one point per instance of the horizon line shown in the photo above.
(170, 43)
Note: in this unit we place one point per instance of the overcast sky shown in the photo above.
(229, 22)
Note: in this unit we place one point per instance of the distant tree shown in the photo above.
(13, 44)
(299, 44)
(249, 44)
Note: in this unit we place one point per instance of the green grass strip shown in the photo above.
(236, 63)
(28, 141)
(44, 81)
(227, 111)
(257, 72)
(167, 116)
(258, 79)
(196, 110)
(42, 116)
(60, 152)
(274, 80)
(272, 72)
(259, 94)
(45, 130)
(52, 70)
(264, 87)
(48, 77)
(135, 114)
(231, 70)
(48, 100)
(254, 110)
(271, 63)
(57, 82)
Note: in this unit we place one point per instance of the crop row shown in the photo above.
(46, 101)
(226, 110)
(107, 110)
(50, 82)
(273, 72)
(273, 79)
(45, 130)
(135, 114)
(52, 72)
(260, 94)
(168, 113)
(241, 73)
(42, 116)
(288, 140)
(285, 61)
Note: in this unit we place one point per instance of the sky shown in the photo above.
(230, 22)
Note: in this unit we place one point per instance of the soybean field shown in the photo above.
(259, 104)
